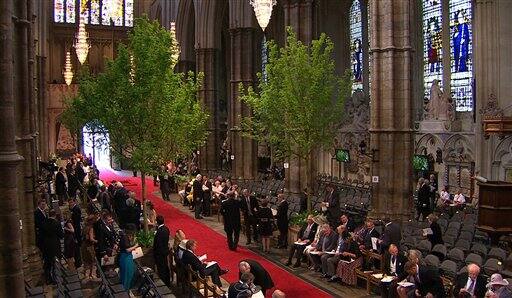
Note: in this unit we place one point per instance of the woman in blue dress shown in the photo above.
(126, 263)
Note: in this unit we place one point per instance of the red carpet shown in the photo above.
(214, 244)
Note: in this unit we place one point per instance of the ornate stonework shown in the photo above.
(492, 108)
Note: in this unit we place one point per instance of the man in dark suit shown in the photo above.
(105, 234)
(261, 276)
(207, 196)
(424, 195)
(51, 232)
(161, 250)
(39, 219)
(327, 242)
(189, 258)
(282, 220)
(230, 210)
(470, 283)
(392, 235)
(242, 288)
(350, 225)
(426, 281)
(249, 206)
(76, 219)
(197, 188)
(61, 189)
(393, 265)
(368, 235)
(305, 236)
(331, 205)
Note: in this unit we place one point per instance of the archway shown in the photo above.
(96, 145)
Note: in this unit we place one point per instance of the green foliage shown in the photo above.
(300, 105)
(300, 219)
(150, 113)
(145, 238)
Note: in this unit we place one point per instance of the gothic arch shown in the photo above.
(428, 141)
(459, 148)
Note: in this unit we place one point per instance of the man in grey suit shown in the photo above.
(391, 235)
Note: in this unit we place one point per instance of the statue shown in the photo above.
(439, 106)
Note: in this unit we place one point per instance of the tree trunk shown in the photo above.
(143, 198)
(308, 186)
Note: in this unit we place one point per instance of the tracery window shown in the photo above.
(454, 16)
(94, 12)
(356, 45)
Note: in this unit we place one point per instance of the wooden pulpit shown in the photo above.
(495, 208)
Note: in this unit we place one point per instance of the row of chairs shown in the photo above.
(68, 282)
(150, 285)
(111, 286)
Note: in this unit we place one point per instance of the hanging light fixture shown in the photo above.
(175, 43)
(263, 11)
(82, 42)
(68, 71)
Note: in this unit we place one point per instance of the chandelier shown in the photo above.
(68, 71)
(175, 44)
(263, 11)
(82, 42)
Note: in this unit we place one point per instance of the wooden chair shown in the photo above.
(195, 281)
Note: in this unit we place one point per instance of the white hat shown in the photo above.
(497, 279)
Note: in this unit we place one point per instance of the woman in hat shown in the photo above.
(498, 287)
(127, 244)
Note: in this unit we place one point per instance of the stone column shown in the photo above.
(486, 44)
(391, 126)
(24, 133)
(206, 61)
(244, 56)
(11, 273)
(299, 15)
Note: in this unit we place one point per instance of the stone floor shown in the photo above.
(279, 257)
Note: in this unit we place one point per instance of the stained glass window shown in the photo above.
(432, 44)
(95, 12)
(58, 11)
(356, 42)
(70, 11)
(461, 62)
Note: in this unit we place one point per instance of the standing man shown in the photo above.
(39, 219)
(197, 189)
(76, 218)
(207, 196)
(61, 188)
(282, 220)
(392, 235)
(261, 276)
(230, 210)
(331, 205)
(161, 250)
(52, 234)
(423, 199)
(249, 206)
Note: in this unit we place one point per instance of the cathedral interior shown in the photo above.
(430, 94)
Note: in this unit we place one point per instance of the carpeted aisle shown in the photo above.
(214, 244)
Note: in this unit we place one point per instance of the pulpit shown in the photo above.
(495, 208)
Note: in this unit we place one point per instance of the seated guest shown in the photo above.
(320, 220)
(305, 237)
(351, 259)
(427, 282)
(180, 249)
(261, 278)
(244, 288)
(436, 236)
(330, 261)
(350, 225)
(366, 243)
(204, 268)
(498, 287)
(178, 237)
(470, 283)
(445, 197)
(326, 243)
(459, 198)
(393, 265)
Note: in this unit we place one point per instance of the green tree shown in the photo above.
(299, 106)
(150, 113)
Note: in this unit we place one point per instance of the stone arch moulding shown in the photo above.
(502, 159)
(426, 142)
(459, 148)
